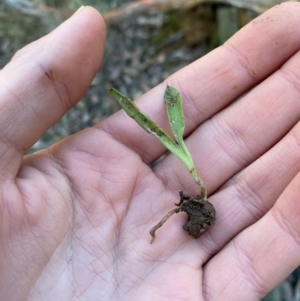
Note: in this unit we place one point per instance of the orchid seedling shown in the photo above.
(201, 213)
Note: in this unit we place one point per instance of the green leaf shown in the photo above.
(146, 122)
(175, 112)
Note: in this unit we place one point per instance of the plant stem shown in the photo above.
(199, 182)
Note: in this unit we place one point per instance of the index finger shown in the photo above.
(214, 81)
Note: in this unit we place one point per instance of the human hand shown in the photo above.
(75, 218)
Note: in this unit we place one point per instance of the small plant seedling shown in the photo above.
(201, 213)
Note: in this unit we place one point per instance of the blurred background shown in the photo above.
(147, 41)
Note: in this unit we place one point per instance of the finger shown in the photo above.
(261, 256)
(44, 80)
(211, 83)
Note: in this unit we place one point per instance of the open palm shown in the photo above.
(75, 218)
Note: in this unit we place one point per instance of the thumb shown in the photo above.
(44, 80)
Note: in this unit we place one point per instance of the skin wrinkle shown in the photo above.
(74, 194)
(221, 292)
(26, 200)
(52, 155)
(78, 282)
(295, 137)
(263, 282)
(142, 279)
(250, 198)
(86, 211)
(291, 77)
(285, 225)
(238, 140)
(111, 204)
(121, 259)
(5, 134)
(131, 283)
(119, 280)
(210, 246)
(51, 152)
(132, 193)
(117, 235)
(97, 274)
(241, 60)
(114, 273)
(163, 176)
(120, 273)
(122, 146)
(61, 90)
(281, 153)
(30, 108)
(70, 265)
(250, 274)
(31, 209)
(55, 165)
(9, 143)
(208, 292)
(34, 279)
(46, 262)
(195, 99)
(11, 95)
(149, 272)
(9, 155)
(157, 205)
